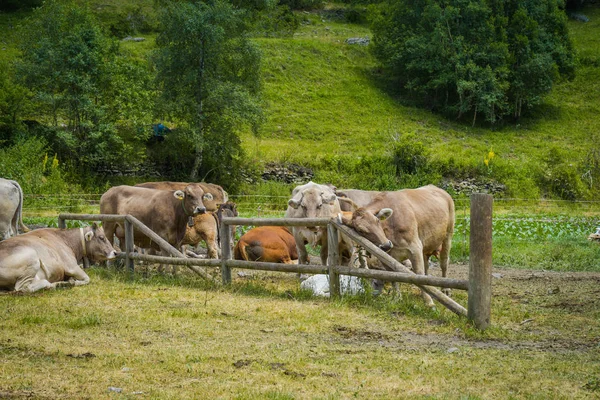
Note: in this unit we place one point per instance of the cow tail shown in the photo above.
(20, 210)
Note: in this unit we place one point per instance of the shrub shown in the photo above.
(560, 178)
(38, 172)
(475, 57)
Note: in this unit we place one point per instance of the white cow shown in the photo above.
(47, 258)
(11, 209)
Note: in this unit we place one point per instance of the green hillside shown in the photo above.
(329, 108)
(326, 98)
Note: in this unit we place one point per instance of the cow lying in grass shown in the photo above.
(49, 257)
(268, 244)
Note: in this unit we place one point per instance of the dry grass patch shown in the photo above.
(163, 337)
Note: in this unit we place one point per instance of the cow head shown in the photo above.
(314, 203)
(97, 246)
(192, 198)
(368, 225)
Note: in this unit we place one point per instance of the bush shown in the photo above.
(465, 57)
(560, 178)
(38, 172)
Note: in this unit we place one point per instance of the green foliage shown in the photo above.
(28, 162)
(15, 99)
(208, 72)
(130, 20)
(66, 61)
(275, 22)
(469, 57)
(560, 177)
(12, 5)
(302, 4)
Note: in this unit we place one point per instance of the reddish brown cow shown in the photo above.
(267, 244)
(206, 228)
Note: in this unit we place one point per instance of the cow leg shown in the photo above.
(33, 285)
(302, 253)
(77, 276)
(212, 248)
(324, 252)
(418, 263)
(444, 259)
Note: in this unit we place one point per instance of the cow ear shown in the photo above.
(345, 217)
(94, 226)
(179, 195)
(89, 236)
(294, 203)
(328, 198)
(351, 206)
(207, 196)
(384, 214)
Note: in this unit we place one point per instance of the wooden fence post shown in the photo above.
(480, 260)
(129, 265)
(225, 253)
(333, 260)
(62, 224)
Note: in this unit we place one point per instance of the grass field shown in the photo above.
(175, 338)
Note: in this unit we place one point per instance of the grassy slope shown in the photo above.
(324, 99)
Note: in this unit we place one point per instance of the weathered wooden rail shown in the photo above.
(478, 285)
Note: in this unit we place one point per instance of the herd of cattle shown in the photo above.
(409, 224)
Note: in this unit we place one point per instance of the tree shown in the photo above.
(208, 72)
(482, 57)
(66, 62)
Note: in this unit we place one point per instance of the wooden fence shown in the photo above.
(478, 285)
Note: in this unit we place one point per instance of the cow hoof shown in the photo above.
(447, 292)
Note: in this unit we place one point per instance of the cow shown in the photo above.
(268, 244)
(165, 212)
(358, 198)
(313, 200)
(49, 257)
(215, 194)
(409, 224)
(11, 209)
(207, 228)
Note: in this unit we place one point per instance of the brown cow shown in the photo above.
(49, 257)
(214, 194)
(165, 212)
(206, 228)
(410, 224)
(268, 244)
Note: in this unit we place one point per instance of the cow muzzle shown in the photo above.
(386, 246)
(200, 210)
